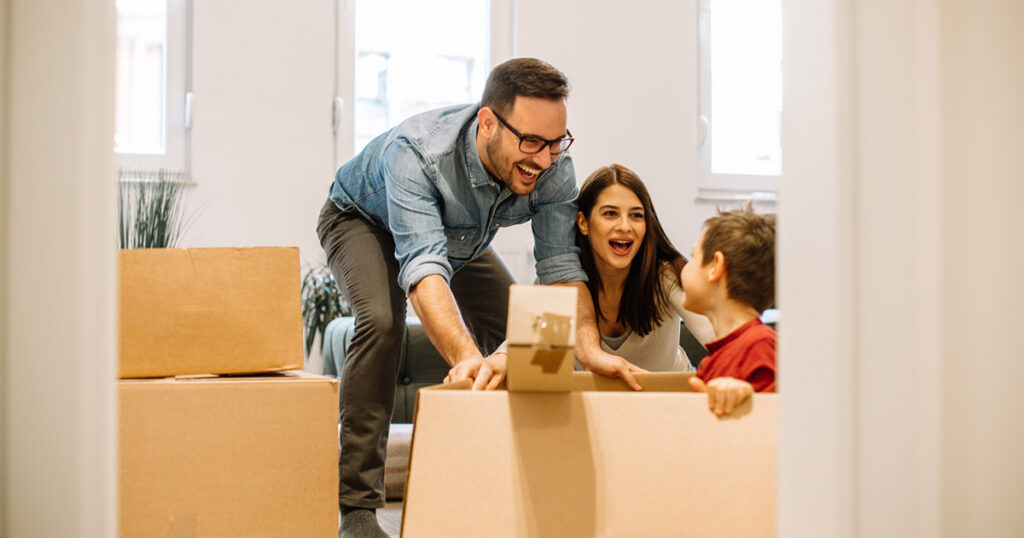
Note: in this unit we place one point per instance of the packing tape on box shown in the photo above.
(549, 360)
(553, 329)
(539, 369)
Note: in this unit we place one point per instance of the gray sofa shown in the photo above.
(421, 365)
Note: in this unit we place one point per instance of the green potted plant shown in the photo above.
(321, 302)
(150, 210)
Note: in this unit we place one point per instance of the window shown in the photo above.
(434, 55)
(397, 58)
(151, 89)
(740, 99)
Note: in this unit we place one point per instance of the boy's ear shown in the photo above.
(717, 264)
(581, 221)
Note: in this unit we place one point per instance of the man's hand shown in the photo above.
(724, 393)
(486, 373)
(606, 364)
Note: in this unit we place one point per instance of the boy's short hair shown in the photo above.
(528, 77)
(747, 240)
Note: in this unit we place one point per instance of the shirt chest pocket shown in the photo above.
(462, 242)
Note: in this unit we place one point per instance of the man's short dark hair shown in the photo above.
(747, 241)
(528, 77)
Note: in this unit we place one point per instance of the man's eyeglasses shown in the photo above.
(531, 144)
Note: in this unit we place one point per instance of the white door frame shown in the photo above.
(859, 269)
(58, 339)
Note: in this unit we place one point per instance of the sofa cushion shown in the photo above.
(420, 365)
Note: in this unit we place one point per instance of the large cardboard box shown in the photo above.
(239, 456)
(600, 460)
(210, 311)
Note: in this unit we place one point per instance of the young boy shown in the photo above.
(730, 278)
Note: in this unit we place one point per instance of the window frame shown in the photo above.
(175, 161)
(501, 47)
(715, 187)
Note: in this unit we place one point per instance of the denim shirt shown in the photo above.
(424, 182)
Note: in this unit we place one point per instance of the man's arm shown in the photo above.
(435, 305)
(414, 218)
(588, 342)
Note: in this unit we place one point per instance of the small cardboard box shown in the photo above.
(541, 334)
(239, 456)
(600, 460)
(210, 311)
(541, 316)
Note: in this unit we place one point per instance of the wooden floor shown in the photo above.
(390, 518)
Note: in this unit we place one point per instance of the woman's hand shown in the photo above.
(606, 364)
(486, 373)
(724, 393)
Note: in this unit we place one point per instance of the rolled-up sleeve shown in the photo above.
(414, 217)
(554, 226)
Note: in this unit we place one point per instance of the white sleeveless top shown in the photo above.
(659, 351)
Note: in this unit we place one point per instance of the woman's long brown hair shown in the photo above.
(644, 302)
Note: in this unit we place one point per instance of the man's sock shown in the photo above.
(360, 523)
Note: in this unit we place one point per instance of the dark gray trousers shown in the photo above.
(362, 258)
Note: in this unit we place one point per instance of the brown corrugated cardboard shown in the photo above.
(541, 333)
(210, 311)
(239, 456)
(600, 460)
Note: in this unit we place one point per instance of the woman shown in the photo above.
(633, 272)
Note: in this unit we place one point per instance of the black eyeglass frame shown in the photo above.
(568, 139)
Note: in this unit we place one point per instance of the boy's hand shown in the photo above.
(724, 393)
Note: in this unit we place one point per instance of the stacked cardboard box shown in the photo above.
(595, 460)
(205, 454)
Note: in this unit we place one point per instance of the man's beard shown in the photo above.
(493, 156)
(506, 171)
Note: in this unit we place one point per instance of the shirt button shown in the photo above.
(461, 237)
(407, 380)
(496, 225)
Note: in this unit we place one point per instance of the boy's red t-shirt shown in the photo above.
(748, 353)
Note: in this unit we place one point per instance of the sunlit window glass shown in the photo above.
(140, 89)
(413, 56)
(746, 86)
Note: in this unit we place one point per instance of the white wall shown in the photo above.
(58, 247)
(262, 141)
(900, 379)
(633, 76)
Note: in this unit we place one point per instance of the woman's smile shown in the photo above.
(622, 247)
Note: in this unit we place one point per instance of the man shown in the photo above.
(413, 215)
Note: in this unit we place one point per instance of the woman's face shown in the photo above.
(615, 229)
